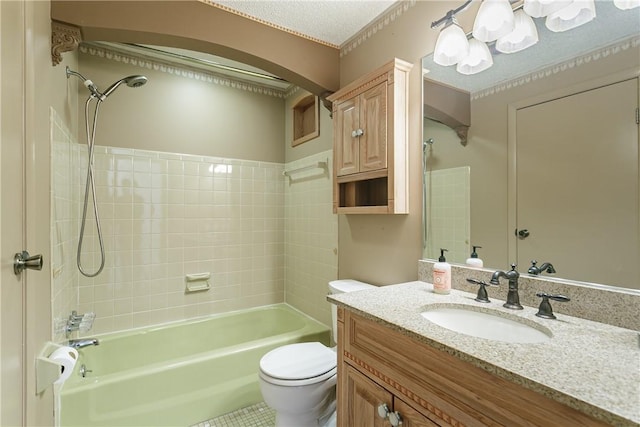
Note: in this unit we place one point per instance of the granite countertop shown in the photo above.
(590, 366)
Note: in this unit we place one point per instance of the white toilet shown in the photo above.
(299, 380)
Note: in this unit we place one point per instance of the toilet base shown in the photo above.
(322, 416)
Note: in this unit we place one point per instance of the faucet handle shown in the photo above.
(482, 290)
(545, 311)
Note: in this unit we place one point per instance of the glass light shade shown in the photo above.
(579, 12)
(626, 4)
(479, 58)
(524, 35)
(494, 20)
(540, 8)
(452, 45)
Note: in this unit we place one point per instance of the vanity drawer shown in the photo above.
(444, 388)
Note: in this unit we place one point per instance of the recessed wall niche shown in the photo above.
(306, 119)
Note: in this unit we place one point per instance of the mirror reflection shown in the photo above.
(549, 172)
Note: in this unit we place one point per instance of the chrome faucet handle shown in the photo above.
(545, 311)
(482, 290)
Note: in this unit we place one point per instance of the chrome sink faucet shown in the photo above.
(513, 298)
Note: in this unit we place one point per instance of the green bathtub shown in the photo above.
(181, 373)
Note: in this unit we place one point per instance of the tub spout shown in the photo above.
(81, 343)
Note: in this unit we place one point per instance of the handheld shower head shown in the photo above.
(131, 81)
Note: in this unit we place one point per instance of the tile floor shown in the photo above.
(259, 415)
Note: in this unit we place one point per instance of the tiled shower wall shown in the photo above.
(64, 222)
(311, 237)
(448, 213)
(166, 215)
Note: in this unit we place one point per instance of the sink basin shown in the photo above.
(487, 325)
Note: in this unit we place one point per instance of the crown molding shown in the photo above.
(595, 55)
(267, 23)
(186, 72)
(376, 25)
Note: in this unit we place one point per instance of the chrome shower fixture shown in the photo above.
(99, 97)
(131, 81)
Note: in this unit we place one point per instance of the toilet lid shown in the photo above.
(298, 361)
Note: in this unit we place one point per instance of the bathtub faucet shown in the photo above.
(81, 343)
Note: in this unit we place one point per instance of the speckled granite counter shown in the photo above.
(590, 366)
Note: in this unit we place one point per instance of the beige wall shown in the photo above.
(179, 114)
(384, 249)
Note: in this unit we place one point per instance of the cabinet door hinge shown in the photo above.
(637, 116)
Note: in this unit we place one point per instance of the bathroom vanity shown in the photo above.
(395, 365)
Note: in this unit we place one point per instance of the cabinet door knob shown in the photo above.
(356, 133)
(395, 419)
(383, 411)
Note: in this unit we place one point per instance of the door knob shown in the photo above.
(22, 261)
(523, 234)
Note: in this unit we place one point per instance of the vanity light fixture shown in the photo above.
(542, 8)
(579, 12)
(524, 35)
(509, 23)
(452, 44)
(479, 58)
(494, 20)
(626, 4)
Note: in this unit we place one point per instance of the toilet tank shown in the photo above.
(340, 287)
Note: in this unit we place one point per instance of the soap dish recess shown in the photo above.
(197, 282)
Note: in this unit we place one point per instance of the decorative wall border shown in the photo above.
(267, 23)
(376, 25)
(620, 46)
(168, 68)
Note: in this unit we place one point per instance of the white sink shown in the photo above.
(484, 324)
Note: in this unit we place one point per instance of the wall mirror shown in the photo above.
(550, 169)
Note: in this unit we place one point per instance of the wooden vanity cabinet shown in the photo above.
(370, 135)
(429, 387)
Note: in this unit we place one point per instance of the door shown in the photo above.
(411, 417)
(346, 122)
(12, 298)
(363, 398)
(373, 120)
(26, 93)
(583, 218)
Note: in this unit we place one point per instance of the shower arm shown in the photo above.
(88, 84)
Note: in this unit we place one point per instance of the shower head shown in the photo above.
(131, 81)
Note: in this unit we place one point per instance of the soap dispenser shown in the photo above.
(442, 275)
(473, 260)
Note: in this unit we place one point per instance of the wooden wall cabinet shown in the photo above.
(428, 387)
(370, 142)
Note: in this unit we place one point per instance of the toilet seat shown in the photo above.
(298, 364)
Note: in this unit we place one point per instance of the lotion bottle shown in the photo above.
(442, 275)
(474, 261)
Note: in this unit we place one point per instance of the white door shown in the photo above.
(12, 298)
(577, 185)
(25, 299)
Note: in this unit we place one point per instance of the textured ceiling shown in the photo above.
(330, 21)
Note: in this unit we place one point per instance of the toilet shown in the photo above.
(299, 380)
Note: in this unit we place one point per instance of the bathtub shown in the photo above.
(182, 373)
